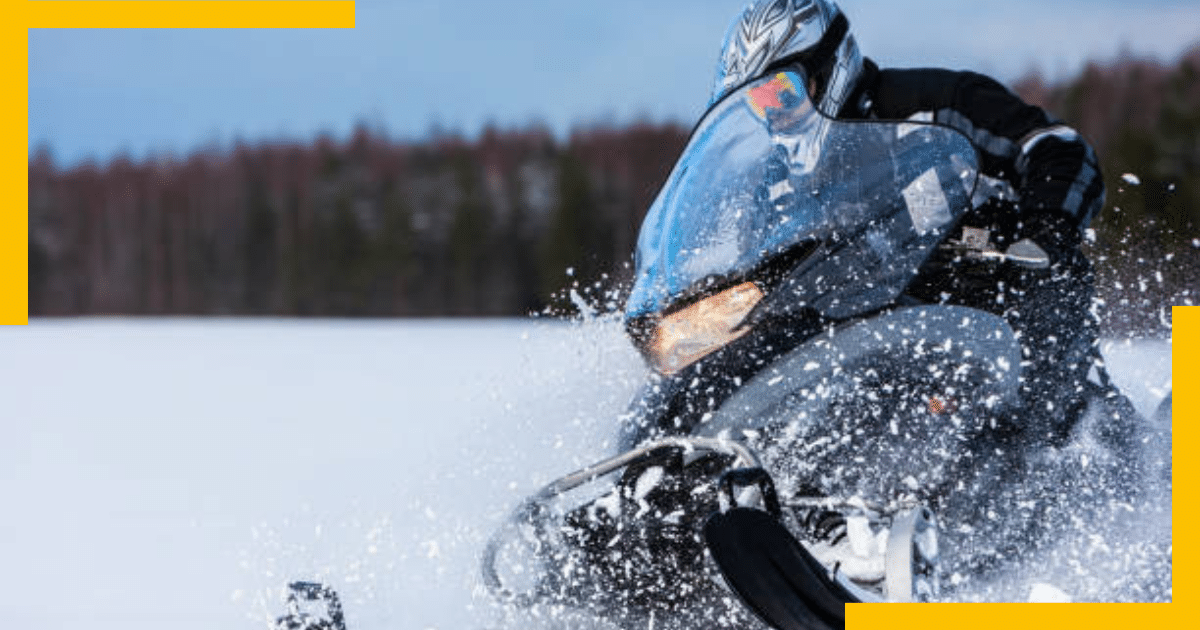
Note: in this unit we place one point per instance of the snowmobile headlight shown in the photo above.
(689, 334)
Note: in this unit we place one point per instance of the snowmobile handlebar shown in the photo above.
(651, 451)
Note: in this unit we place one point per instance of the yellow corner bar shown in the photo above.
(20, 16)
(1015, 616)
(1186, 399)
(189, 14)
(340, 14)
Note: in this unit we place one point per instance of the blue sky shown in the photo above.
(411, 64)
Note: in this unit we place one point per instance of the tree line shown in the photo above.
(501, 224)
(371, 227)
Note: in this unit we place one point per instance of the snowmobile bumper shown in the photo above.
(537, 522)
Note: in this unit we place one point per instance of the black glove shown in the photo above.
(1045, 238)
(1053, 230)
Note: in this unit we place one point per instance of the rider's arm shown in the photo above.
(1050, 167)
(1053, 170)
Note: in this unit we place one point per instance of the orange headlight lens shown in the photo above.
(689, 334)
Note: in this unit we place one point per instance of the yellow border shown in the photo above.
(241, 14)
(1185, 345)
(1185, 376)
(19, 16)
(187, 14)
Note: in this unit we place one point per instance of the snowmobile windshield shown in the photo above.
(765, 172)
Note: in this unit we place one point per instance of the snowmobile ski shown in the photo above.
(773, 574)
(777, 577)
(311, 606)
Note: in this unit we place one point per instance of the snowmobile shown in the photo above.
(813, 435)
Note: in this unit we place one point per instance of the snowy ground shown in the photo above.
(179, 472)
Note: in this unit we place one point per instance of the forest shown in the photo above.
(505, 223)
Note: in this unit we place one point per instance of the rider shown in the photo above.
(1040, 186)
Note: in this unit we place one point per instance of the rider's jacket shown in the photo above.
(1035, 161)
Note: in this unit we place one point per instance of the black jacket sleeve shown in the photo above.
(1050, 167)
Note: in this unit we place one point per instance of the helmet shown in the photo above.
(813, 34)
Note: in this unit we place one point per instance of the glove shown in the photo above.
(1045, 238)
(1035, 239)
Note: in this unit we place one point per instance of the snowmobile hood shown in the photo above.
(766, 174)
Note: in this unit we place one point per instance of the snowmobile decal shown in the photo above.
(926, 202)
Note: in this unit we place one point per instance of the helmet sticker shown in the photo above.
(778, 93)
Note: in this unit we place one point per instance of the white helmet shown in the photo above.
(813, 34)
